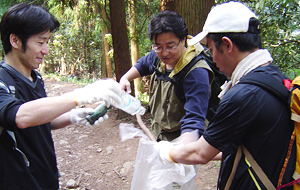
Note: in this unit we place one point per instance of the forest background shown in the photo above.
(104, 38)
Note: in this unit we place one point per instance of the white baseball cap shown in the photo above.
(223, 18)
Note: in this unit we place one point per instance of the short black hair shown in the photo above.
(167, 21)
(25, 20)
(247, 41)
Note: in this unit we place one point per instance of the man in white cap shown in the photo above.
(248, 115)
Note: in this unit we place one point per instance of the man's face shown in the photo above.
(169, 48)
(220, 57)
(36, 49)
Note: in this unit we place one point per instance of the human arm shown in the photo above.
(61, 121)
(47, 109)
(125, 80)
(199, 152)
(143, 67)
(78, 116)
(44, 110)
(196, 89)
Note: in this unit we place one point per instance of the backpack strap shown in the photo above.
(234, 167)
(7, 82)
(251, 163)
(159, 74)
(268, 83)
(279, 90)
(178, 78)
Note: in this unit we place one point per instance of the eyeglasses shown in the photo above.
(208, 50)
(167, 48)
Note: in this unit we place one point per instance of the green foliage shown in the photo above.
(81, 82)
(144, 98)
(75, 50)
(78, 43)
(145, 11)
(279, 31)
(77, 46)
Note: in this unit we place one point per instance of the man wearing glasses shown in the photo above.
(171, 117)
(249, 120)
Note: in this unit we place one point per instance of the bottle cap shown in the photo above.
(141, 110)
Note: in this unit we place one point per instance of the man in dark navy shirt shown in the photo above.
(171, 117)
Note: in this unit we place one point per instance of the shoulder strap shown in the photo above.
(179, 77)
(279, 90)
(159, 74)
(10, 83)
(268, 83)
(257, 169)
(7, 82)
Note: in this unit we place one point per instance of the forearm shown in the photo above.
(127, 78)
(131, 74)
(44, 110)
(61, 121)
(218, 156)
(199, 152)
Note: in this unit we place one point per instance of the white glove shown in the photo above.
(78, 116)
(105, 89)
(163, 149)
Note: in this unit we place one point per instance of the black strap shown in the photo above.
(268, 83)
(7, 79)
(9, 83)
(177, 80)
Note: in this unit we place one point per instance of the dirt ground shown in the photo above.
(96, 159)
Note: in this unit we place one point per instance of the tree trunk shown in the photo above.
(103, 61)
(62, 66)
(105, 30)
(106, 69)
(194, 12)
(120, 40)
(135, 50)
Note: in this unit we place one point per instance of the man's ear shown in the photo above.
(228, 43)
(15, 41)
(184, 41)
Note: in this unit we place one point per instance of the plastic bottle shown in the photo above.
(128, 103)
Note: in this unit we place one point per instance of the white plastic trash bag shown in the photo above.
(150, 173)
(128, 131)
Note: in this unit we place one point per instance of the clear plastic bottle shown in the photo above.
(130, 104)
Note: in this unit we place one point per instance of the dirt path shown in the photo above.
(96, 159)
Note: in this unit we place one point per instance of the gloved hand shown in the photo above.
(163, 149)
(78, 116)
(105, 89)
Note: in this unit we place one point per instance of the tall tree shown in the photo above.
(194, 12)
(120, 38)
(106, 61)
(135, 50)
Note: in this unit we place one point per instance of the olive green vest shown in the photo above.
(166, 109)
